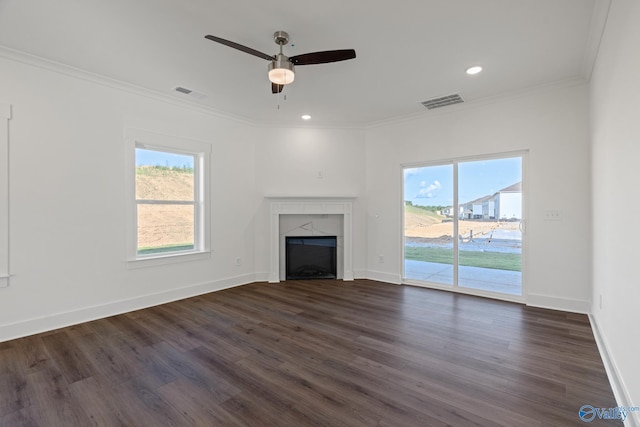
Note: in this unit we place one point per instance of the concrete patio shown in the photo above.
(486, 279)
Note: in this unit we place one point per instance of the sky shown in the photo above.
(433, 185)
(146, 157)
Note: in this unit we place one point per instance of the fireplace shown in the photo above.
(337, 211)
(311, 257)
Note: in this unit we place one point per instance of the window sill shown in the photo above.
(153, 261)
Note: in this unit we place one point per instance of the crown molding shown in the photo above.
(480, 102)
(5, 111)
(77, 73)
(597, 26)
(67, 70)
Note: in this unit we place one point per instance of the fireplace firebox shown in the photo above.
(311, 257)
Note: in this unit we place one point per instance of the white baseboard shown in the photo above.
(87, 314)
(359, 274)
(557, 303)
(261, 276)
(617, 383)
(383, 277)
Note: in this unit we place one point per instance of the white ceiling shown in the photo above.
(407, 50)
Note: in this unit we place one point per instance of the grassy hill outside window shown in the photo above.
(169, 199)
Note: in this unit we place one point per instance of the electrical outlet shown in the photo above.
(553, 215)
(238, 261)
(320, 175)
(600, 302)
(381, 259)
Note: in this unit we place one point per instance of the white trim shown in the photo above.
(5, 116)
(87, 314)
(524, 188)
(5, 111)
(507, 96)
(571, 305)
(202, 203)
(310, 206)
(169, 97)
(472, 158)
(170, 258)
(167, 202)
(262, 276)
(80, 74)
(597, 25)
(454, 162)
(361, 274)
(315, 197)
(466, 291)
(381, 276)
(67, 70)
(456, 227)
(620, 390)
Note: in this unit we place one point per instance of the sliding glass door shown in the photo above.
(480, 202)
(428, 224)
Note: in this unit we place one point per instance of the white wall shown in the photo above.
(615, 127)
(67, 201)
(553, 125)
(288, 163)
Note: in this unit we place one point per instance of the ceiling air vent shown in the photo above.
(189, 92)
(443, 101)
(183, 90)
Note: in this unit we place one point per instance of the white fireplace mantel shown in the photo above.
(305, 205)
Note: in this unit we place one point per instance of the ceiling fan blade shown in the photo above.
(241, 47)
(323, 57)
(276, 88)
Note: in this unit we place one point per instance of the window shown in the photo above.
(168, 218)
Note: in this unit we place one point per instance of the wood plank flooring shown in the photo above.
(310, 353)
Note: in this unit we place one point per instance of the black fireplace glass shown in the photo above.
(311, 257)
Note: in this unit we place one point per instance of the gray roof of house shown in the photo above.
(515, 188)
(480, 200)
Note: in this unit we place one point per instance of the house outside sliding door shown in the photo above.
(480, 202)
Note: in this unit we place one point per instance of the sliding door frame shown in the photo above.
(454, 287)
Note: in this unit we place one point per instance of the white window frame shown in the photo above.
(201, 151)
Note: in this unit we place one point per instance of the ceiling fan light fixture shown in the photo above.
(281, 67)
(474, 70)
(281, 76)
(281, 71)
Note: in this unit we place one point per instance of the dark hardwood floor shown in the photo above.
(310, 353)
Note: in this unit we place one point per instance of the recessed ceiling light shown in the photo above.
(474, 70)
(305, 117)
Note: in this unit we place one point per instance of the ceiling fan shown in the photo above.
(281, 67)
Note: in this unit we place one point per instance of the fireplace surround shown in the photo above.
(341, 206)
